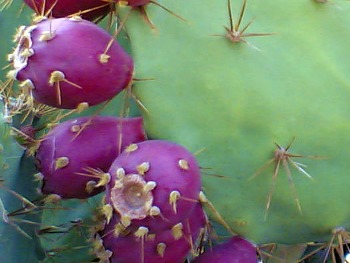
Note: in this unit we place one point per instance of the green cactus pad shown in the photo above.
(68, 236)
(20, 219)
(238, 100)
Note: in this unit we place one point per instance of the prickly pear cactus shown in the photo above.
(256, 90)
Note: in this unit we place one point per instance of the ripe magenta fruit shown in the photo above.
(140, 245)
(88, 9)
(75, 155)
(63, 62)
(235, 250)
(155, 184)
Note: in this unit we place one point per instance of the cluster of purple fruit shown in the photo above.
(152, 187)
(152, 211)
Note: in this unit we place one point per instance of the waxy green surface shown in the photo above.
(236, 100)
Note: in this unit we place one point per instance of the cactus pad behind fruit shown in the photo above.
(245, 102)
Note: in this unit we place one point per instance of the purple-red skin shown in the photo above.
(63, 8)
(128, 249)
(196, 222)
(75, 50)
(163, 157)
(235, 250)
(96, 146)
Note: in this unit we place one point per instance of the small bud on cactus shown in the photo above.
(150, 185)
(78, 62)
(235, 250)
(88, 9)
(75, 156)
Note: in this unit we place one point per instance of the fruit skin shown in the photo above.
(128, 248)
(167, 165)
(63, 8)
(96, 146)
(235, 250)
(74, 66)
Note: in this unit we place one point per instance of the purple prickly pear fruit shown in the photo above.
(154, 183)
(197, 224)
(88, 9)
(140, 245)
(235, 250)
(74, 157)
(64, 62)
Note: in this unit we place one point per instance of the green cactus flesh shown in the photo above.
(67, 237)
(259, 110)
(19, 216)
